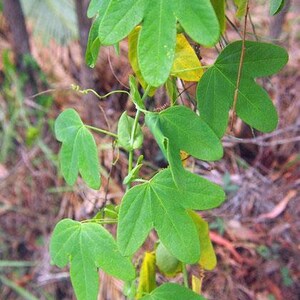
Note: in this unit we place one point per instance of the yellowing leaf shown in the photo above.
(208, 259)
(133, 58)
(241, 7)
(147, 281)
(184, 156)
(196, 284)
(186, 64)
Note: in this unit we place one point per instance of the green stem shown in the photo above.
(102, 131)
(133, 131)
(185, 275)
(86, 91)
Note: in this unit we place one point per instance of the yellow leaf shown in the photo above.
(147, 281)
(196, 284)
(208, 259)
(184, 156)
(133, 58)
(186, 64)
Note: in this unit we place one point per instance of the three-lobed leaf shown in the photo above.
(79, 151)
(160, 204)
(186, 64)
(215, 91)
(87, 247)
(169, 291)
(156, 40)
(179, 128)
(186, 131)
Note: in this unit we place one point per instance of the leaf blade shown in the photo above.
(199, 21)
(87, 246)
(156, 46)
(79, 151)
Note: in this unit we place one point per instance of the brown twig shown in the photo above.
(236, 92)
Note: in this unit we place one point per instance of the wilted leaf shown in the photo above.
(186, 64)
(147, 280)
(208, 259)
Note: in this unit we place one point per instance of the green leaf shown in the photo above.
(171, 90)
(208, 259)
(147, 280)
(186, 131)
(160, 204)
(157, 40)
(132, 175)
(168, 264)
(118, 19)
(219, 7)
(135, 94)
(156, 46)
(125, 126)
(93, 45)
(87, 246)
(133, 59)
(199, 20)
(169, 291)
(94, 7)
(215, 91)
(175, 163)
(276, 6)
(78, 151)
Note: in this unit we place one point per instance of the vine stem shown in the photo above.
(238, 81)
(102, 131)
(133, 131)
(185, 276)
(86, 91)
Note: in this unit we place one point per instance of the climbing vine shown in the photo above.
(160, 53)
